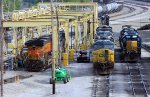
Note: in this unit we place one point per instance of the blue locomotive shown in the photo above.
(130, 43)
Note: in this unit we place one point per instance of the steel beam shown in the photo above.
(44, 19)
(71, 4)
(25, 23)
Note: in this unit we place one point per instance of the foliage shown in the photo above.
(10, 5)
(36, 1)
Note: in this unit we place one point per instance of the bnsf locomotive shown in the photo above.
(39, 53)
(130, 43)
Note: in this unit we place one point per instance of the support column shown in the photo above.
(95, 17)
(27, 33)
(20, 40)
(67, 36)
(66, 53)
(15, 41)
(39, 29)
(91, 30)
(76, 36)
(80, 30)
(85, 33)
(47, 30)
(30, 36)
(24, 35)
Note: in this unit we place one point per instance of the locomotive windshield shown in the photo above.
(111, 47)
(104, 28)
(103, 44)
(103, 35)
(106, 46)
(130, 31)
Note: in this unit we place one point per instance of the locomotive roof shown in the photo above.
(129, 31)
(103, 32)
(103, 42)
(46, 36)
(104, 28)
(38, 41)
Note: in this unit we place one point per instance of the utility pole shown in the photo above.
(53, 51)
(59, 47)
(1, 45)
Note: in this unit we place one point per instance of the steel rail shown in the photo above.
(141, 12)
(146, 47)
(142, 80)
(131, 9)
(131, 80)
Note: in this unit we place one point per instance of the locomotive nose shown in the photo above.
(132, 46)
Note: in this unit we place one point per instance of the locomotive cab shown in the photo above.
(130, 43)
(39, 53)
(104, 35)
(103, 54)
(104, 28)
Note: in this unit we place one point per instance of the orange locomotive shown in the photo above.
(39, 53)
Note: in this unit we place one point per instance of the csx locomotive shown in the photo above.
(39, 53)
(130, 43)
(103, 49)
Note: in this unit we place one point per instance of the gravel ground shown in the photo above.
(38, 86)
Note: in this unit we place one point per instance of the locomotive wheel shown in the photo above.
(33, 66)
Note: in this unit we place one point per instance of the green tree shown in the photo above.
(10, 4)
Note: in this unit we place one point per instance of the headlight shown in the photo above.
(134, 36)
(127, 36)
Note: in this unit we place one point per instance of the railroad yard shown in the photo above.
(126, 79)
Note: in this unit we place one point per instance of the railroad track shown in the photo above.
(144, 9)
(100, 86)
(131, 9)
(146, 47)
(139, 3)
(129, 76)
(137, 81)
